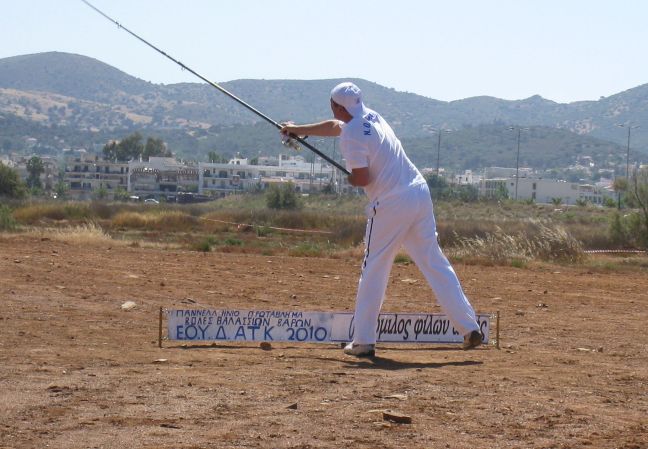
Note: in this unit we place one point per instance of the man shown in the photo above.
(399, 214)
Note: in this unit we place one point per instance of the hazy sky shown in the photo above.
(563, 50)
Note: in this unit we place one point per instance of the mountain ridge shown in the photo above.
(95, 96)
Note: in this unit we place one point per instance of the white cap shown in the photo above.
(349, 96)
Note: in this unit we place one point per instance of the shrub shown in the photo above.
(205, 245)
(233, 242)
(7, 221)
(53, 211)
(402, 259)
(306, 249)
(282, 196)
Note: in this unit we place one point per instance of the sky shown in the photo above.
(562, 50)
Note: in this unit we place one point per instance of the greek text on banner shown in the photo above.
(314, 327)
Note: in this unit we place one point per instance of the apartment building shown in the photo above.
(85, 174)
(239, 175)
(545, 191)
(161, 176)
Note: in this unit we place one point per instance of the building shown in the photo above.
(507, 172)
(161, 176)
(217, 179)
(541, 190)
(86, 174)
(467, 178)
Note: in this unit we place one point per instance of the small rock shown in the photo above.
(293, 296)
(266, 346)
(128, 305)
(396, 417)
(292, 406)
(160, 361)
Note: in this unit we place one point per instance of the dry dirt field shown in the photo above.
(76, 371)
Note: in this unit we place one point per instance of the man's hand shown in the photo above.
(327, 128)
(288, 134)
(289, 129)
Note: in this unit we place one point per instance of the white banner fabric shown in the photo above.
(312, 327)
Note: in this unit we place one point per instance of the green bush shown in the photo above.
(282, 196)
(10, 184)
(233, 242)
(7, 221)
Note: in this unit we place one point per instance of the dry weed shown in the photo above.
(85, 234)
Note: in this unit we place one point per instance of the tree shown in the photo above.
(468, 193)
(61, 189)
(501, 193)
(131, 147)
(35, 168)
(215, 158)
(620, 185)
(638, 197)
(101, 193)
(155, 147)
(120, 194)
(10, 184)
(110, 150)
(437, 185)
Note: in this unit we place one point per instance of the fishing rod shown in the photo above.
(223, 90)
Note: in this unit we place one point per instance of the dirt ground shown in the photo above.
(76, 371)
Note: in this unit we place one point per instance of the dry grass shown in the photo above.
(162, 220)
(33, 213)
(86, 234)
(540, 241)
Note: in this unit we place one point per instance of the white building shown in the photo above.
(467, 178)
(216, 179)
(506, 172)
(161, 176)
(545, 191)
(87, 173)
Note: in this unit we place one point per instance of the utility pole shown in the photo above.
(630, 128)
(517, 158)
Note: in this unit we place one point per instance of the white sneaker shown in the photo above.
(472, 340)
(359, 350)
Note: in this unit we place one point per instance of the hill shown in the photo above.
(72, 94)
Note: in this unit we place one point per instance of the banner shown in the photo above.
(311, 327)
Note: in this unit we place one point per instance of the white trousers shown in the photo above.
(406, 219)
